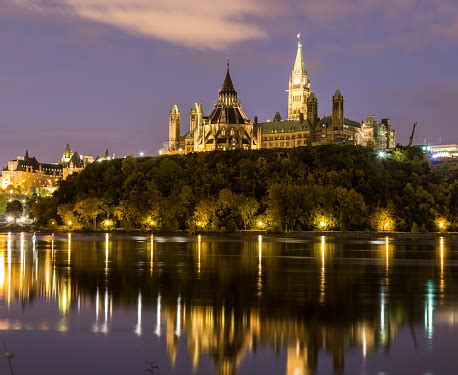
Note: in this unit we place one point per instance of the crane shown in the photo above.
(411, 137)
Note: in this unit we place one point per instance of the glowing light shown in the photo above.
(138, 327)
(10, 219)
(141, 153)
(107, 223)
(69, 223)
(323, 224)
(178, 330)
(260, 224)
(199, 243)
(381, 154)
(157, 331)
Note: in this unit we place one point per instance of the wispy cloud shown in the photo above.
(218, 24)
(206, 24)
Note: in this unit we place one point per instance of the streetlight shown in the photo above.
(381, 154)
(141, 153)
(323, 224)
(107, 223)
(260, 224)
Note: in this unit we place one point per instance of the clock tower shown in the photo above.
(299, 86)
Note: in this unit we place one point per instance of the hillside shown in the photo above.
(326, 187)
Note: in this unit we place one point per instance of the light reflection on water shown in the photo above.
(209, 304)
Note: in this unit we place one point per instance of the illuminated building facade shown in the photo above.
(72, 162)
(29, 175)
(228, 127)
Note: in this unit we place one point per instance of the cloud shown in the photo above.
(206, 24)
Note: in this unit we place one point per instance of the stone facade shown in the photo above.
(228, 127)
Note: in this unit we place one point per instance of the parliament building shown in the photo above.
(228, 127)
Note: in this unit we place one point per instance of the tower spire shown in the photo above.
(227, 62)
(299, 64)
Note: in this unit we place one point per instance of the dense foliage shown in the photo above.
(325, 187)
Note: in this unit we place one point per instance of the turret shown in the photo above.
(337, 111)
(174, 128)
(312, 110)
(193, 118)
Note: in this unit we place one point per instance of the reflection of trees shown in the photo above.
(228, 297)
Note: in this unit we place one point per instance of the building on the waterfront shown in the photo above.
(228, 127)
(444, 152)
(29, 175)
(72, 162)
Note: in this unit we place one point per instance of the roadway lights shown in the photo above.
(381, 154)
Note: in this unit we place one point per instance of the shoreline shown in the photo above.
(292, 234)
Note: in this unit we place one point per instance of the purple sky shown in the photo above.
(105, 73)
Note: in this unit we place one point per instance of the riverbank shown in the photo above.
(291, 234)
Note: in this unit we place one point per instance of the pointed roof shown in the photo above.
(26, 157)
(67, 151)
(175, 109)
(228, 86)
(299, 64)
(312, 97)
(227, 94)
(338, 95)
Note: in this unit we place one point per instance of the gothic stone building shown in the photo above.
(228, 127)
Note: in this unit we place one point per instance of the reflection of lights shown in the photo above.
(152, 254)
(178, 323)
(259, 265)
(382, 317)
(364, 342)
(8, 247)
(442, 281)
(107, 237)
(69, 250)
(138, 327)
(199, 243)
(157, 331)
(429, 310)
(323, 275)
(387, 252)
(2, 271)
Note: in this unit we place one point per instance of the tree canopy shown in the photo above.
(325, 187)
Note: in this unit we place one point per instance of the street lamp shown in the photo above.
(260, 224)
(323, 224)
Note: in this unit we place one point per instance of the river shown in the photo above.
(123, 304)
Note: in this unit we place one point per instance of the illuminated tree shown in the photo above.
(442, 224)
(14, 209)
(88, 210)
(383, 220)
(68, 217)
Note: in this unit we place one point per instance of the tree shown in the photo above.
(3, 203)
(248, 207)
(14, 209)
(88, 210)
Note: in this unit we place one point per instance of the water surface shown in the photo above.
(106, 304)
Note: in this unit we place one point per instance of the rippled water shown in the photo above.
(106, 304)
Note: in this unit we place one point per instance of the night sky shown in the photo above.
(105, 73)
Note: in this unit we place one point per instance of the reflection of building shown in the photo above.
(72, 162)
(227, 127)
(29, 175)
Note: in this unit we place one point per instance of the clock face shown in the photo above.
(297, 81)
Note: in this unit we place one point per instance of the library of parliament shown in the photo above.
(228, 127)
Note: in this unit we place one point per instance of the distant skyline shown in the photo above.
(103, 74)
